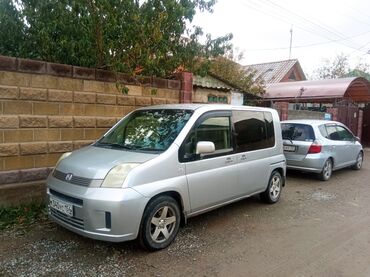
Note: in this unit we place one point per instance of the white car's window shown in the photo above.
(297, 131)
(147, 130)
(254, 130)
(344, 134)
(215, 129)
(332, 132)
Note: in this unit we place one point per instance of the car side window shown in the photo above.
(215, 129)
(344, 134)
(323, 131)
(332, 132)
(253, 130)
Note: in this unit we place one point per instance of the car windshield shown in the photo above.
(146, 130)
(298, 132)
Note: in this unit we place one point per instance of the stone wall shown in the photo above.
(47, 109)
(301, 114)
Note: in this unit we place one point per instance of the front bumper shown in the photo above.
(310, 163)
(106, 214)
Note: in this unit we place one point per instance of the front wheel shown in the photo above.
(327, 170)
(160, 223)
(272, 194)
(359, 160)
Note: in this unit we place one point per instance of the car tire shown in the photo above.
(272, 194)
(327, 170)
(160, 223)
(359, 161)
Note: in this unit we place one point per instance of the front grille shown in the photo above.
(76, 180)
(73, 221)
(67, 198)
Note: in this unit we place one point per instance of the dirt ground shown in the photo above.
(317, 229)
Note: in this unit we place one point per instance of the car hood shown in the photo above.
(95, 162)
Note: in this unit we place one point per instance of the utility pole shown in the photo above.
(291, 39)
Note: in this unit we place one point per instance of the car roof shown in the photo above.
(203, 106)
(313, 122)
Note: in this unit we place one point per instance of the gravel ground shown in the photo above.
(317, 229)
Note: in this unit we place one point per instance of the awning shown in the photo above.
(355, 88)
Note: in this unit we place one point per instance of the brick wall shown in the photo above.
(47, 109)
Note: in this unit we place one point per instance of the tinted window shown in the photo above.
(297, 131)
(253, 130)
(215, 129)
(149, 130)
(270, 142)
(344, 134)
(332, 132)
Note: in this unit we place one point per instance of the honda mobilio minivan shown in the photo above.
(160, 165)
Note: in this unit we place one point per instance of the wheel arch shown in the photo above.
(176, 196)
(281, 171)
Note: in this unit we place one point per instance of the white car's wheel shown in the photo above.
(327, 170)
(359, 161)
(272, 194)
(160, 223)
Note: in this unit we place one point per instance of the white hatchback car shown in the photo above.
(320, 146)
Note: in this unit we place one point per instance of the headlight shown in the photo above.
(65, 155)
(117, 175)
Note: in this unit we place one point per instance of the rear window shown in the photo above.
(298, 132)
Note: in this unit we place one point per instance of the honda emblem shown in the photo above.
(69, 177)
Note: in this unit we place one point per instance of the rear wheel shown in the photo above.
(272, 194)
(160, 223)
(327, 170)
(359, 160)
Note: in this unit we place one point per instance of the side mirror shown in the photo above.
(358, 139)
(205, 147)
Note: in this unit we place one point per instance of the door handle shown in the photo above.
(243, 157)
(229, 160)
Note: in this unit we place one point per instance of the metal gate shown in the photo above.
(366, 125)
(348, 114)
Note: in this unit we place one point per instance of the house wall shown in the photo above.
(300, 114)
(47, 109)
(297, 73)
(200, 95)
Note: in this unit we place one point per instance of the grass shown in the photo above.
(22, 215)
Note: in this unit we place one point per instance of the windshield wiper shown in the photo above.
(148, 149)
(117, 145)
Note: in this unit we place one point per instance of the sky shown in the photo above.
(321, 29)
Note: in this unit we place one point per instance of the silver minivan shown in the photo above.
(160, 165)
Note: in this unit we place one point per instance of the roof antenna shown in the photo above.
(291, 38)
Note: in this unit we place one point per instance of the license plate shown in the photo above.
(61, 206)
(289, 148)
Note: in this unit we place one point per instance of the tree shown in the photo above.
(339, 67)
(138, 37)
(11, 29)
(227, 67)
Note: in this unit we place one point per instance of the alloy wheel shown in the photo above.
(163, 224)
(327, 169)
(275, 187)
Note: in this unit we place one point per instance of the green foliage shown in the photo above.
(122, 88)
(138, 37)
(227, 68)
(22, 215)
(153, 91)
(339, 67)
(11, 29)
